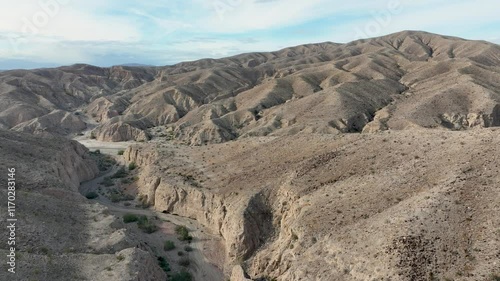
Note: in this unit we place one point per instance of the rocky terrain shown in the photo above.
(404, 80)
(60, 234)
(371, 160)
(395, 205)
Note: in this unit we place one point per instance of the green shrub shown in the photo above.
(146, 225)
(162, 262)
(169, 245)
(121, 152)
(128, 218)
(180, 253)
(132, 166)
(183, 233)
(182, 276)
(188, 248)
(92, 195)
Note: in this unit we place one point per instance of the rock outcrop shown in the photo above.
(116, 130)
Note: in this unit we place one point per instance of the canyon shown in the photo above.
(371, 160)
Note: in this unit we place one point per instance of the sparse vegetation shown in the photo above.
(120, 257)
(181, 276)
(183, 233)
(126, 180)
(188, 248)
(121, 173)
(162, 262)
(185, 262)
(121, 152)
(92, 195)
(146, 225)
(118, 196)
(104, 162)
(128, 218)
(143, 201)
(132, 166)
(169, 245)
(107, 182)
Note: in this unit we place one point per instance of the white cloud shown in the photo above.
(176, 30)
(67, 21)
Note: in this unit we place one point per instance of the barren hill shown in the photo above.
(371, 160)
(398, 205)
(404, 80)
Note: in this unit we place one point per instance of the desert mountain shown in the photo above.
(404, 80)
(371, 160)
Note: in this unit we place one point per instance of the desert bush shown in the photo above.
(180, 253)
(169, 245)
(188, 248)
(146, 225)
(121, 152)
(132, 166)
(92, 195)
(162, 262)
(183, 233)
(104, 162)
(128, 218)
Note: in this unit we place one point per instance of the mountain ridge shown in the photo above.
(325, 87)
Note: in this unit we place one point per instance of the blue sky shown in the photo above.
(44, 33)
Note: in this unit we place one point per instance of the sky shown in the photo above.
(47, 33)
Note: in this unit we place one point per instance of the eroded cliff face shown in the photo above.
(117, 130)
(405, 205)
(243, 220)
(65, 236)
(74, 166)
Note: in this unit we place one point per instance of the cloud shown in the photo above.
(68, 21)
(165, 32)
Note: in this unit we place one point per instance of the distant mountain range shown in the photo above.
(404, 80)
